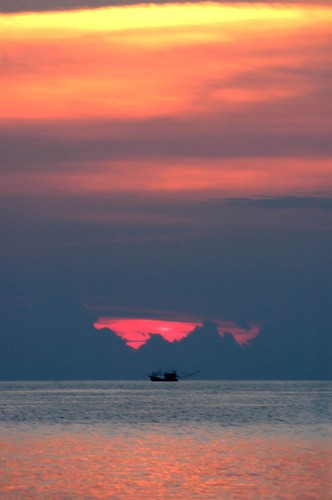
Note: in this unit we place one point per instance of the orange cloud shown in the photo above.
(198, 100)
(190, 178)
(144, 61)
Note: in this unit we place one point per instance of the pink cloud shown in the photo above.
(241, 335)
(137, 331)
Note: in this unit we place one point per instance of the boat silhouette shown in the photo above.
(168, 376)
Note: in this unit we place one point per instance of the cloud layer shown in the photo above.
(8, 6)
(166, 158)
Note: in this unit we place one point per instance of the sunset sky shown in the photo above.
(169, 162)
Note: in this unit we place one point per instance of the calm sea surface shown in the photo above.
(191, 439)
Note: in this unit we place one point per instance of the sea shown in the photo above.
(153, 440)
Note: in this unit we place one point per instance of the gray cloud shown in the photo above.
(55, 340)
(38, 147)
(228, 262)
(10, 6)
(284, 202)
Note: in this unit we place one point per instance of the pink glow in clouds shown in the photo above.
(137, 331)
(241, 335)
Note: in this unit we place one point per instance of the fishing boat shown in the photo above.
(169, 376)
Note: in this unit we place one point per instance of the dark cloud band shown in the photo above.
(10, 6)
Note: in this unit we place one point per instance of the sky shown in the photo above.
(165, 175)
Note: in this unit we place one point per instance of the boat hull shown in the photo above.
(159, 379)
(168, 377)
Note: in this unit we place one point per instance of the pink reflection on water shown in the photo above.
(147, 465)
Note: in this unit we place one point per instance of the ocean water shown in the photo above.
(188, 440)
